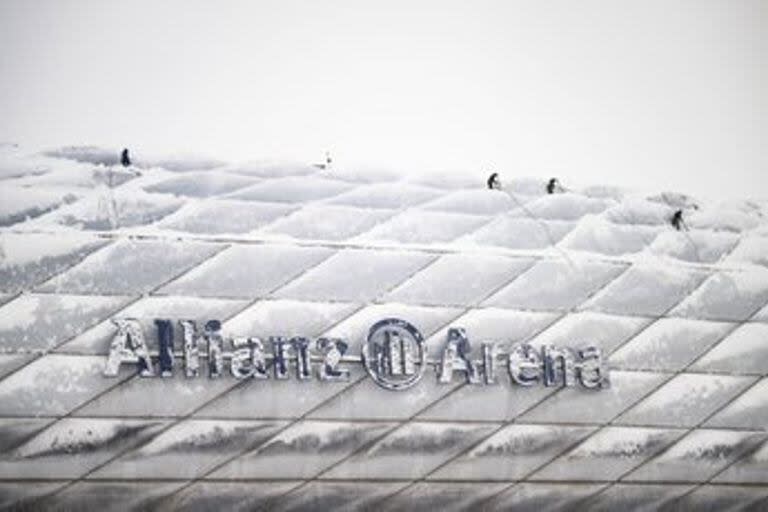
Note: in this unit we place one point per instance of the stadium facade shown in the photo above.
(200, 336)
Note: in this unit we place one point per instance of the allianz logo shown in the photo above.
(394, 354)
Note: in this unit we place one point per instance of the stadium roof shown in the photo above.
(294, 249)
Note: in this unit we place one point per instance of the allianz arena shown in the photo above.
(572, 351)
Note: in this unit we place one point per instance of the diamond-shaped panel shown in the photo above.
(698, 456)
(512, 453)
(131, 266)
(188, 449)
(303, 450)
(223, 275)
(686, 400)
(355, 275)
(555, 285)
(608, 454)
(411, 451)
(457, 279)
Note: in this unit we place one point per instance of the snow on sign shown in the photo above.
(394, 355)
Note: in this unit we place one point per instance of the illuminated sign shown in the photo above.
(394, 354)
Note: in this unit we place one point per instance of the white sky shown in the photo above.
(650, 94)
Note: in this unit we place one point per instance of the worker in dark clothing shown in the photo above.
(554, 186)
(494, 182)
(677, 221)
(125, 160)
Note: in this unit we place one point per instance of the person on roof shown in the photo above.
(677, 221)
(554, 186)
(125, 160)
(326, 165)
(494, 182)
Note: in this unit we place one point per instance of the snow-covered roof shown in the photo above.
(294, 249)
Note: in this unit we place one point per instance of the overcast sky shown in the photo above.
(655, 95)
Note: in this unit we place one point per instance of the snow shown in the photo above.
(459, 280)
(555, 285)
(597, 235)
(40, 322)
(696, 456)
(518, 233)
(750, 410)
(201, 184)
(327, 222)
(669, 344)
(222, 217)
(223, 276)
(292, 190)
(386, 195)
(130, 266)
(28, 259)
(478, 202)
(414, 226)
(21, 203)
(751, 249)
(286, 248)
(355, 275)
(695, 246)
(728, 295)
(649, 288)
(567, 206)
(744, 351)
(686, 400)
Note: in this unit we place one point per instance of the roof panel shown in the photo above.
(110, 496)
(440, 496)
(386, 195)
(204, 184)
(698, 456)
(646, 289)
(728, 295)
(686, 400)
(549, 497)
(752, 467)
(586, 328)
(34, 323)
(744, 351)
(223, 275)
(327, 222)
(334, 496)
(716, 498)
(748, 410)
(234, 496)
(71, 447)
(134, 396)
(669, 344)
(518, 233)
(474, 201)
(303, 450)
(512, 453)
(555, 285)
(188, 449)
(131, 266)
(29, 259)
(411, 451)
(220, 217)
(52, 385)
(638, 498)
(608, 454)
(577, 405)
(356, 275)
(459, 279)
(294, 189)
(423, 227)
